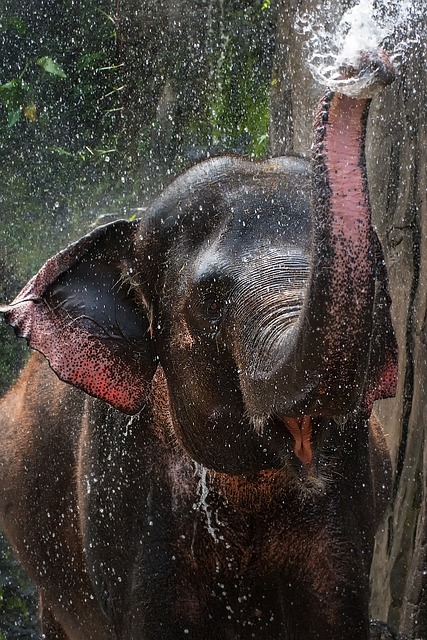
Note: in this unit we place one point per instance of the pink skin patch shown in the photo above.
(301, 429)
(79, 358)
(349, 200)
(351, 223)
(386, 386)
(352, 230)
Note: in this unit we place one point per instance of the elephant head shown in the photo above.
(258, 288)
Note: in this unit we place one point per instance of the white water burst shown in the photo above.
(201, 504)
(334, 40)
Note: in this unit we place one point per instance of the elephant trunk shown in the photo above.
(336, 323)
(318, 363)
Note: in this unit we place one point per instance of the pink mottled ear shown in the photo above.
(81, 312)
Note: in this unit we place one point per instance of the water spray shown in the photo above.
(338, 43)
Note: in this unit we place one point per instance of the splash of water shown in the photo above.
(201, 504)
(336, 40)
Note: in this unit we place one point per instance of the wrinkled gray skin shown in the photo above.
(247, 339)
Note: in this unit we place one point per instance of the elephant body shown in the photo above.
(127, 537)
(224, 476)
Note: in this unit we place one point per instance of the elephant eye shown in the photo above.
(208, 303)
(212, 308)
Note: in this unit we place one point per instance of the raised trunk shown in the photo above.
(332, 338)
(319, 366)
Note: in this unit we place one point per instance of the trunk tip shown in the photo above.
(366, 76)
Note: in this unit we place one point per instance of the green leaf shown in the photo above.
(62, 152)
(89, 60)
(13, 95)
(13, 117)
(13, 23)
(50, 66)
(12, 85)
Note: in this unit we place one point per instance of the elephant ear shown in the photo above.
(383, 368)
(81, 312)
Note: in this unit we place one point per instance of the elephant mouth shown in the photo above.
(301, 431)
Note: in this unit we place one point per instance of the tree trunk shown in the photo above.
(142, 29)
(166, 50)
(294, 95)
(399, 194)
(396, 153)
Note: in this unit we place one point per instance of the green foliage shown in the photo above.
(239, 111)
(94, 118)
(57, 83)
(12, 357)
(17, 96)
(236, 111)
(57, 124)
(50, 66)
(13, 353)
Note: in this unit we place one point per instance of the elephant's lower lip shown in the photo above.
(301, 429)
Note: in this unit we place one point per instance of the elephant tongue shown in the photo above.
(300, 429)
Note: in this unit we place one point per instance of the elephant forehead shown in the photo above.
(247, 213)
(272, 267)
(258, 236)
(280, 215)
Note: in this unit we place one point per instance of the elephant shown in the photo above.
(193, 451)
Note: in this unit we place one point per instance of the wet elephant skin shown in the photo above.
(127, 537)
